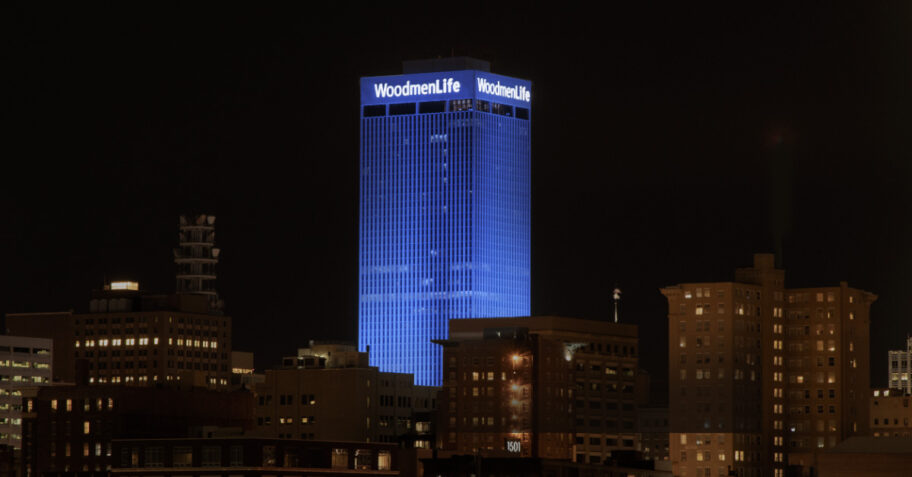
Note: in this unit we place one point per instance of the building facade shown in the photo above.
(653, 432)
(24, 362)
(543, 387)
(444, 208)
(900, 372)
(70, 428)
(329, 392)
(141, 341)
(891, 414)
(762, 377)
(250, 456)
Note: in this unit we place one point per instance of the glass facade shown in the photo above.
(444, 211)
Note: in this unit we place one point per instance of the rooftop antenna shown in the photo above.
(617, 300)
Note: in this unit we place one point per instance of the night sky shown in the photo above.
(669, 144)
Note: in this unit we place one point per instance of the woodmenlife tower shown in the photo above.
(444, 207)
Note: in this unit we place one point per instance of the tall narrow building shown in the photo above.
(196, 257)
(763, 378)
(900, 372)
(444, 207)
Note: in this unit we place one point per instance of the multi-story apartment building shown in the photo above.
(828, 377)
(544, 386)
(24, 362)
(763, 377)
(69, 429)
(138, 339)
(900, 372)
(891, 413)
(329, 392)
(652, 431)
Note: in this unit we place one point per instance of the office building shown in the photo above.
(134, 338)
(891, 413)
(540, 387)
(763, 377)
(444, 207)
(329, 392)
(652, 432)
(24, 362)
(253, 457)
(69, 429)
(900, 372)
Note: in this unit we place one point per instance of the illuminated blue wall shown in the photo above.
(444, 211)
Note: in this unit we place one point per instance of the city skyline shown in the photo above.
(674, 160)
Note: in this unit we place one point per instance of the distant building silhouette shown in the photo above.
(196, 258)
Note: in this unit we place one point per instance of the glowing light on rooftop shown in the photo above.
(134, 286)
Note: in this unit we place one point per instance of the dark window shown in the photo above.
(460, 105)
(401, 108)
(375, 110)
(432, 107)
(502, 109)
(483, 105)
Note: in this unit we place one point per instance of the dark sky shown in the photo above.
(669, 144)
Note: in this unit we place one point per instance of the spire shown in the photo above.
(617, 301)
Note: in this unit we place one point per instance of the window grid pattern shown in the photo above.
(444, 231)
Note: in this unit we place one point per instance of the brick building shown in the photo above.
(329, 392)
(136, 339)
(891, 413)
(762, 377)
(544, 387)
(251, 456)
(70, 428)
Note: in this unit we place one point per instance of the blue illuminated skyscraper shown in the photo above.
(444, 207)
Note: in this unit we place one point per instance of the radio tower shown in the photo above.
(196, 257)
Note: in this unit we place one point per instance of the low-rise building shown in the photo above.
(891, 414)
(868, 457)
(70, 428)
(251, 456)
(476, 465)
(329, 392)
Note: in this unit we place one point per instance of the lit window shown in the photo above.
(86, 427)
(53, 404)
